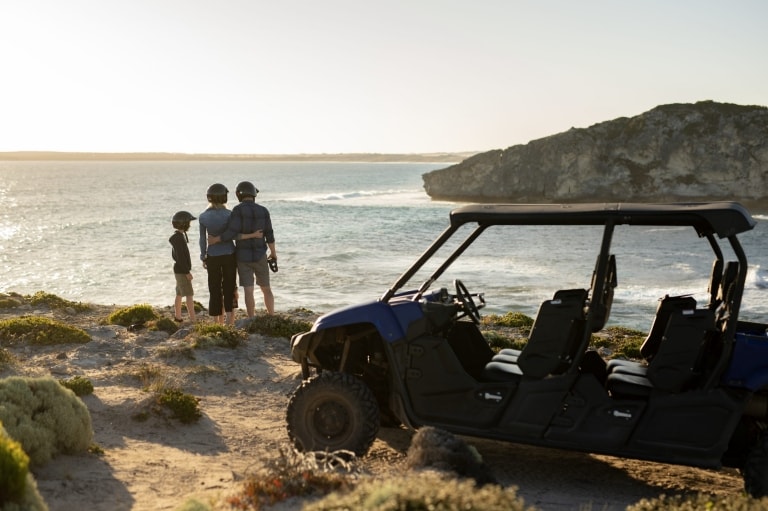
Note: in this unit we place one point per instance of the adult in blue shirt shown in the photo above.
(247, 221)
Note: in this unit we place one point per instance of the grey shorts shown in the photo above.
(183, 285)
(246, 272)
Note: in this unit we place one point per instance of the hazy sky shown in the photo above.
(330, 76)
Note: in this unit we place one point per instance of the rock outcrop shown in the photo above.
(677, 152)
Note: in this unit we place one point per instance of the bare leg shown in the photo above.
(177, 308)
(269, 299)
(191, 308)
(250, 303)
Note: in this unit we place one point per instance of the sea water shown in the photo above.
(97, 231)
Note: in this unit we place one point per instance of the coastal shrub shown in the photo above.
(79, 385)
(9, 301)
(132, 315)
(40, 331)
(45, 417)
(699, 501)
(421, 490)
(164, 324)
(208, 335)
(498, 341)
(185, 407)
(296, 474)
(55, 302)
(14, 466)
(6, 357)
(510, 319)
(277, 325)
(193, 505)
(623, 342)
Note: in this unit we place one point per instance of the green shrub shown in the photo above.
(701, 501)
(185, 408)
(6, 357)
(421, 490)
(46, 418)
(277, 325)
(623, 342)
(498, 341)
(40, 331)
(128, 316)
(510, 319)
(164, 324)
(79, 385)
(55, 302)
(213, 334)
(14, 466)
(9, 302)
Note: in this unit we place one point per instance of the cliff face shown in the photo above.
(678, 152)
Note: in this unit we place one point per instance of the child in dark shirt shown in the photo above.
(182, 266)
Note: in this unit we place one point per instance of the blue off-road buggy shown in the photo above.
(416, 356)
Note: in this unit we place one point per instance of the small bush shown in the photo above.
(185, 407)
(701, 501)
(421, 490)
(9, 302)
(296, 474)
(214, 334)
(623, 342)
(498, 341)
(132, 315)
(40, 331)
(46, 418)
(6, 357)
(55, 302)
(164, 324)
(14, 466)
(79, 385)
(277, 325)
(510, 319)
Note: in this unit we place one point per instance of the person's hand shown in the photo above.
(212, 240)
(189, 276)
(205, 264)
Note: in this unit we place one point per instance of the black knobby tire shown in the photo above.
(755, 470)
(333, 411)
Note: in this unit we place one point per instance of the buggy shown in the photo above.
(697, 395)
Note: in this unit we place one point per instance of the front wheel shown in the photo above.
(333, 411)
(755, 470)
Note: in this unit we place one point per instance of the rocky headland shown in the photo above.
(676, 152)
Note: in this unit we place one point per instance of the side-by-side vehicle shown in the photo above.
(416, 356)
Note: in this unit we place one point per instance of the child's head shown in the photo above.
(217, 194)
(181, 220)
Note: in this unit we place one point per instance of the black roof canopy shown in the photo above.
(719, 218)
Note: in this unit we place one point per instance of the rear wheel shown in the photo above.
(755, 469)
(333, 411)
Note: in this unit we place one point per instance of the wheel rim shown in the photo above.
(331, 419)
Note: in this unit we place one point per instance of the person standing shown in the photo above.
(251, 226)
(182, 264)
(218, 259)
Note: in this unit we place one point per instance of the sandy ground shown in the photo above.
(158, 464)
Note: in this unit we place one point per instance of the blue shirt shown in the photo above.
(248, 217)
(213, 221)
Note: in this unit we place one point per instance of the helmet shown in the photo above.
(181, 220)
(245, 189)
(217, 193)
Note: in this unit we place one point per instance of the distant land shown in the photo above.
(322, 157)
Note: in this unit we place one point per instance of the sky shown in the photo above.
(359, 76)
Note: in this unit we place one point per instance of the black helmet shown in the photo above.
(245, 189)
(181, 220)
(217, 193)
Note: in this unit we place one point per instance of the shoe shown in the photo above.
(272, 264)
(179, 320)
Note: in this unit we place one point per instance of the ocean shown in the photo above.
(97, 231)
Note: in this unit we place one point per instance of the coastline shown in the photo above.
(438, 157)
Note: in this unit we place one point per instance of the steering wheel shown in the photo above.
(467, 303)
